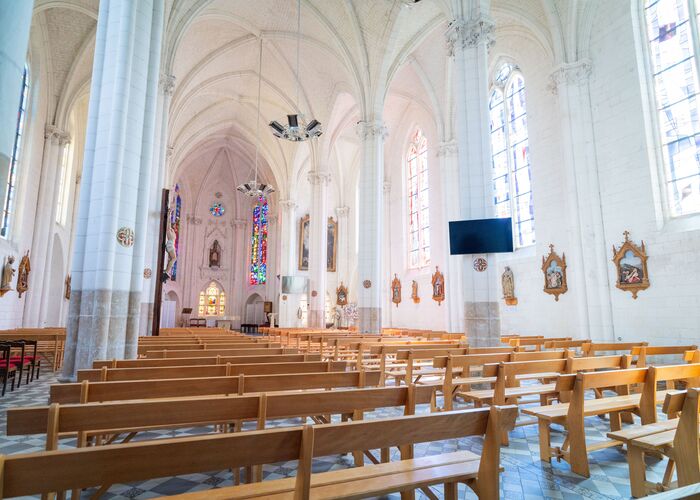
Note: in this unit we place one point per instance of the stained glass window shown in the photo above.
(258, 244)
(510, 154)
(217, 209)
(14, 158)
(212, 301)
(671, 27)
(418, 202)
(175, 221)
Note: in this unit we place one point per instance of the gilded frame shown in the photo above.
(554, 271)
(631, 265)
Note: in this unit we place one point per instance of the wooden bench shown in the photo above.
(86, 392)
(594, 348)
(222, 370)
(643, 352)
(221, 352)
(125, 463)
(571, 415)
(214, 360)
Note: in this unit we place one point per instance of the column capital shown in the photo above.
(448, 148)
(463, 34)
(288, 204)
(570, 74)
(167, 84)
(342, 212)
(367, 129)
(387, 186)
(318, 178)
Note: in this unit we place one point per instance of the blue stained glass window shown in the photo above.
(510, 154)
(14, 158)
(217, 209)
(258, 244)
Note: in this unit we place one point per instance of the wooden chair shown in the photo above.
(125, 463)
(7, 369)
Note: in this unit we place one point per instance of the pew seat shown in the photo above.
(485, 396)
(360, 482)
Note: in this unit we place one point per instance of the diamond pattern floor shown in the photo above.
(524, 477)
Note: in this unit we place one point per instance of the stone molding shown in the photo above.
(167, 84)
(342, 212)
(463, 34)
(54, 133)
(369, 129)
(448, 148)
(288, 204)
(240, 223)
(319, 178)
(387, 186)
(570, 74)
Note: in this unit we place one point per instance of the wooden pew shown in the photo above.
(594, 348)
(222, 370)
(222, 352)
(125, 463)
(87, 392)
(642, 352)
(412, 370)
(145, 350)
(214, 360)
(537, 343)
(571, 415)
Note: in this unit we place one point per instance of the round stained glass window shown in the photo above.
(217, 209)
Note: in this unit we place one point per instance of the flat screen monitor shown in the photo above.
(481, 236)
(294, 284)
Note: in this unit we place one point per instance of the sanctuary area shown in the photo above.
(322, 249)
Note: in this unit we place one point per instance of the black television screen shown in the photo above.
(481, 236)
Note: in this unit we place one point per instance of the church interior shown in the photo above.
(303, 249)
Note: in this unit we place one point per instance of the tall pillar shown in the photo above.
(318, 246)
(387, 272)
(570, 82)
(54, 146)
(372, 134)
(166, 86)
(16, 20)
(287, 266)
(449, 167)
(237, 297)
(343, 243)
(468, 43)
(108, 259)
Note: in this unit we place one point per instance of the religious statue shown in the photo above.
(23, 274)
(396, 290)
(215, 255)
(508, 285)
(66, 294)
(414, 292)
(341, 295)
(169, 248)
(7, 275)
(438, 286)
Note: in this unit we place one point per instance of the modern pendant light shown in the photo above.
(253, 188)
(297, 129)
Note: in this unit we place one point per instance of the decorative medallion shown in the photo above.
(396, 290)
(341, 295)
(554, 269)
(125, 237)
(147, 273)
(414, 292)
(314, 293)
(631, 264)
(217, 209)
(508, 285)
(367, 284)
(284, 297)
(218, 195)
(438, 282)
(480, 264)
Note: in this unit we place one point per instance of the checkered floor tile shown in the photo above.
(524, 476)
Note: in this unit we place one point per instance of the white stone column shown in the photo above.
(372, 134)
(318, 248)
(166, 86)
(468, 42)
(16, 20)
(571, 83)
(240, 267)
(387, 269)
(114, 197)
(287, 264)
(55, 142)
(449, 167)
(343, 264)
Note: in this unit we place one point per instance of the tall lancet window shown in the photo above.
(258, 244)
(418, 202)
(510, 150)
(10, 193)
(672, 30)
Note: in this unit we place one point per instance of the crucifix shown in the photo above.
(159, 274)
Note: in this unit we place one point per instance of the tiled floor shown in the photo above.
(524, 477)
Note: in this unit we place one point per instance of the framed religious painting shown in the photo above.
(396, 290)
(631, 264)
(304, 244)
(331, 245)
(554, 270)
(341, 295)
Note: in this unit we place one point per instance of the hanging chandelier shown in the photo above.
(297, 129)
(253, 188)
